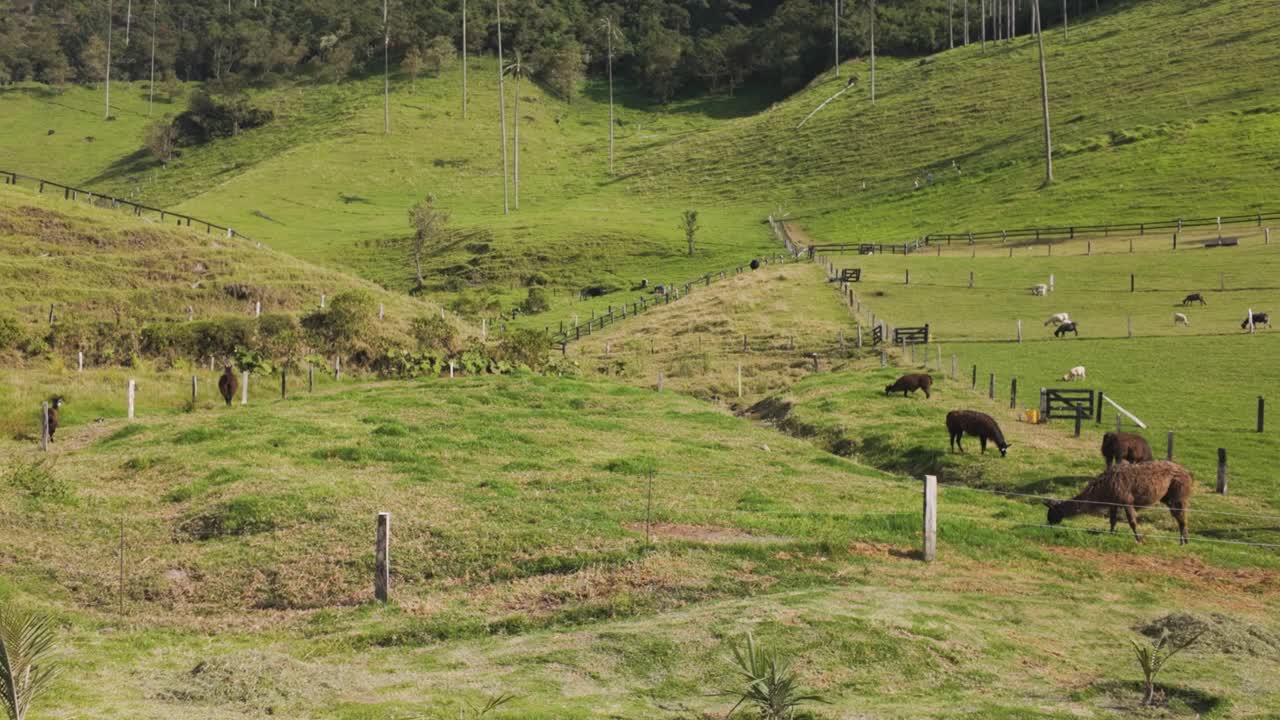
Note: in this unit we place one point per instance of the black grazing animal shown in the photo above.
(979, 425)
(55, 402)
(1067, 327)
(1132, 487)
(1125, 447)
(228, 384)
(755, 263)
(910, 383)
(1259, 319)
(1193, 297)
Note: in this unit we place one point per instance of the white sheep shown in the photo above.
(1040, 290)
(1181, 319)
(1075, 373)
(1058, 319)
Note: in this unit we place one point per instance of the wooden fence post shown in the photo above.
(1079, 419)
(659, 382)
(1128, 321)
(1013, 394)
(954, 370)
(1131, 282)
(244, 387)
(382, 558)
(930, 518)
(80, 361)
(1044, 405)
(970, 279)
(908, 281)
(382, 311)
(815, 362)
(133, 387)
(1222, 471)
(1169, 453)
(939, 358)
(744, 343)
(284, 382)
(311, 378)
(1100, 397)
(975, 378)
(991, 387)
(1019, 331)
(337, 368)
(884, 360)
(195, 387)
(1261, 408)
(44, 426)
(739, 379)
(859, 336)
(1266, 236)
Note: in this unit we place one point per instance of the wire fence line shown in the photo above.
(1006, 493)
(1068, 232)
(73, 193)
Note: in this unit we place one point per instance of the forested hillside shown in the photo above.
(666, 46)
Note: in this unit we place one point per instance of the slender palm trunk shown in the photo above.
(873, 52)
(982, 14)
(836, 6)
(609, 42)
(107, 113)
(517, 124)
(1066, 34)
(1044, 95)
(502, 114)
(128, 21)
(386, 71)
(151, 98)
(951, 21)
(464, 59)
(966, 23)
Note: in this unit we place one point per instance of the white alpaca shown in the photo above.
(1040, 290)
(1058, 319)
(1075, 373)
(1181, 319)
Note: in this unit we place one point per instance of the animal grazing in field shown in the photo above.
(755, 264)
(1075, 373)
(979, 425)
(1067, 327)
(1132, 486)
(1057, 319)
(228, 384)
(1040, 290)
(910, 383)
(1120, 447)
(55, 402)
(1181, 319)
(1259, 320)
(1193, 297)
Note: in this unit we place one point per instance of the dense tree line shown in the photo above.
(666, 46)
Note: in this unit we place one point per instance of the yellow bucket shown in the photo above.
(1033, 416)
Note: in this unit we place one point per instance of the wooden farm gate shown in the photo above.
(877, 335)
(913, 335)
(851, 275)
(1065, 403)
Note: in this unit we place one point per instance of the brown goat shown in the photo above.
(1125, 447)
(228, 384)
(1132, 486)
(910, 383)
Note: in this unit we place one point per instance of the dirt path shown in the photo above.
(798, 235)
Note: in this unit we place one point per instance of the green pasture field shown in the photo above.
(520, 566)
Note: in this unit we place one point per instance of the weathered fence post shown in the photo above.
(321, 301)
(257, 308)
(739, 379)
(991, 387)
(1100, 398)
(195, 387)
(382, 311)
(311, 378)
(1169, 452)
(133, 388)
(930, 518)
(1079, 419)
(859, 336)
(1261, 408)
(1128, 320)
(1222, 471)
(1013, 394)
(382, 558)
(1019, 331)
(975, 377)
(815, 362)
(484, 328)
(1131, 282)
(1266, 236)
(80, 361)
(284, 381)
(884, 360)
(44, 426)
(954, 370)
(744, 343)
(1050, 282)
(908, 281)
(939, 358)
(970, 279)
(244, 387)
(659, 382)
(337, 368)
(1044, 405)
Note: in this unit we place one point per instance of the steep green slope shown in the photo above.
(1163, 109)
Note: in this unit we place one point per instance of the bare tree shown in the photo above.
(151, 98)
(428, 223)
(107, 114)
(1044, 94)
(502, 111)
(689, 223)
(610, 32)
(517, 70)
(386, 72)
(873, 52)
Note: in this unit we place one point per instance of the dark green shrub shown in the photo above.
(525, 348)
(536, 302)
(207, 118)
(434, 333)
(11, 333)
(347, 318)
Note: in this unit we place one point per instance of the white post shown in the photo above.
(739, 379)
(659, 382)
(382, 311)
(1050, 282)
(244, 387)
(133, 386)
(1250, 320)
(257, 309)
(484, 327)
(321, 301)
(450, 369)
(1019, 331)
(930, 518)
(337, 368)
(80, 361)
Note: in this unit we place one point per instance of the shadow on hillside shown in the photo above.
(135, 163)
(746, 101)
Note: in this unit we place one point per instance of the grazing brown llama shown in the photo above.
(910, 383)
(55, 402)
(979, 425)
(1132, 486)
(228, 384)
(1125, 447)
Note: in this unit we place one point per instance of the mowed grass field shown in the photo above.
(520, 565)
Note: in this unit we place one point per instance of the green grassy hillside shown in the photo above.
(520, 566)
(1163, 109)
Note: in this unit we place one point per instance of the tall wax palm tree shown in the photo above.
(611, 31)
(517, 70)
(502, 112)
